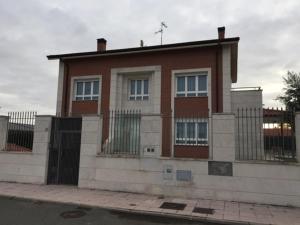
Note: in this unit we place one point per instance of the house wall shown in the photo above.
(168, 61)
(246, 99)
(190, 107)
(227, 81)
(119, 93)
(60, 88)
(28, 167)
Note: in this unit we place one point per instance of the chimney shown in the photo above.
(221, 32)
(101, 45)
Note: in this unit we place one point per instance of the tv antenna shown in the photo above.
(161, 30)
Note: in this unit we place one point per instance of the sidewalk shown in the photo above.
(224, 211)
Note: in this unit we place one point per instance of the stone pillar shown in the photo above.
(223, 137)
(151, 133)
(3, 132)
(297, 135)
(91, 138)
(41, 140)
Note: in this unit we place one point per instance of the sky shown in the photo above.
(30, 30)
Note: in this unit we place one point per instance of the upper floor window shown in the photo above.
(87, 89)
(139, 89)
(194, 84)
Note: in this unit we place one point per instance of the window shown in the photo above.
(194, 84)
(86, 90)
(139, 89)
(191, 132)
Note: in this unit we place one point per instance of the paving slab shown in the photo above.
(223, 211)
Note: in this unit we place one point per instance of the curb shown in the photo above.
(140, 212)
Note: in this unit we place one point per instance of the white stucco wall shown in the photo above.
(223, 137)
(246, 99)
(27, 167)
(3, 131)
(246, 105)
(259, 183)
(91, 135)
(297, 135)
(251, 182)
(60, 84)
(151, 134)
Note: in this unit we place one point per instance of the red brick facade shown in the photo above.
(169, 59)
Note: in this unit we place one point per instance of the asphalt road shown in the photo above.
(25, 212)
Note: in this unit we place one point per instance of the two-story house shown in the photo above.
(176, 81)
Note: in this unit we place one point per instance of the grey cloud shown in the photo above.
(31, 29)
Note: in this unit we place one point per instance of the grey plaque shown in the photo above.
(219, 168)
(183, 175)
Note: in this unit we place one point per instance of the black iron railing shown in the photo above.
(124, 133)
(265, 134)
(20, 131)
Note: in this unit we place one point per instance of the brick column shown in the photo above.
(91, 137)
(3, 131)
(223, 137)
(297, 135)
(151, 133)
(41, 140)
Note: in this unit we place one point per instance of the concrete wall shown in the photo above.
(246, 99)
(259, 183)
(151, 133)
(90, 147)
(263, 182)
(297, 134)
(3, 132)
(27, 167)
(223, 137)
(246, 105)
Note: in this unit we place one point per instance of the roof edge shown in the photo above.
(166, 47)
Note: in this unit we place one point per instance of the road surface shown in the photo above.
(26, 212)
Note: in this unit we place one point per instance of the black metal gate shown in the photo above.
(64, 151)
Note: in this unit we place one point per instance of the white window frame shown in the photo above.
(196, 139)
(196, 92)
(143, 96)
(83, 94)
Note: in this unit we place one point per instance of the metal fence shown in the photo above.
(124, 133)
(265, 134)
(20, 130)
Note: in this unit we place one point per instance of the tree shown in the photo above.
(291, 96)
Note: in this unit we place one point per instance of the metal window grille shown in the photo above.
(20, 131)
(191, 129)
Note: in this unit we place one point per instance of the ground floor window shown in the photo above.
(191, 132)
